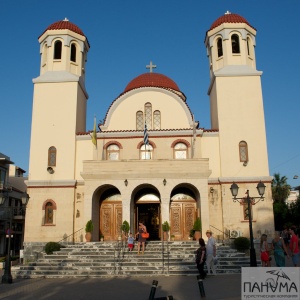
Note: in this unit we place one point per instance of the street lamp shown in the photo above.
(7, 212)
(250, 201)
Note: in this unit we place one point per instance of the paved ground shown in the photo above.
(218, 287)
(180, 287)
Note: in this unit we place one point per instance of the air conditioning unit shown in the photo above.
(233, 234)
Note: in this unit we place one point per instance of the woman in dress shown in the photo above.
(264, 251)
(201, 258)
(279, 248)
(141, 241)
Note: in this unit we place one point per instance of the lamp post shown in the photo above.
(250, 201)
(7, 212)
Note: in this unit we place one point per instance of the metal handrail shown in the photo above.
(81, 229)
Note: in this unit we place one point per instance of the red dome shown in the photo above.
(229, 18)
(65, 24)
(151, 79)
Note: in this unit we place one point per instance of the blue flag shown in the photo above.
(146, 140)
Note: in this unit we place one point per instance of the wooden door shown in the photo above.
(182, 217)
(111, 220)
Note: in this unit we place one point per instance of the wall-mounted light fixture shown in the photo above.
(50, 170)
(211, 189)
(165, 181)
(126, 182)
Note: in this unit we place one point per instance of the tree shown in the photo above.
(280, 192)
(280, 188)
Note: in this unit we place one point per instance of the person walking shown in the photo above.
(280, 250)
(201, 258)
(294, 245)
(264, 251)
(141, 240)
(211, 252)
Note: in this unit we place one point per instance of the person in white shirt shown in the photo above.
(211, 253)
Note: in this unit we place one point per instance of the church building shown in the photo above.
(149, 160)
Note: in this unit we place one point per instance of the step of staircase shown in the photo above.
(101, 259)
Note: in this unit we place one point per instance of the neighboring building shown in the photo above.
(293, 196)
(185, 171)
(12, 190)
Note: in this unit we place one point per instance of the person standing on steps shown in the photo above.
(130, 242)
(211, 253)
(141, 240)
(201, 258)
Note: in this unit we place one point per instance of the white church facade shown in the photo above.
(183, 172)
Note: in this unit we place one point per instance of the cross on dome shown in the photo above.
(228, 12)
(150, 66)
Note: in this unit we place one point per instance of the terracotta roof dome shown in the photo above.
(229, 18)
(151, 79)
(64, 24)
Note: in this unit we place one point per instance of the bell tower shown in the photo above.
(59, 102)
(236, 101)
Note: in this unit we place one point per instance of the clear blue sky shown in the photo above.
(125, 35)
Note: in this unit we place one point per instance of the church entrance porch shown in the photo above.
(149, 214)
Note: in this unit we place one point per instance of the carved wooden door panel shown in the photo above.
(176, 220)
(182, 216)
(110, 220)
(189, 215)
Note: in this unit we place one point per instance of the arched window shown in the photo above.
(148, 115)
(156, 119)
(52, 156)
(139, 120)
(57, 50)
(113, 152)
(146, 152)
(49, 213)
(250, 48)
(220, 47)
(180, 151)
(235, 43)
(44, 55)
(243, 150)
(73, 53)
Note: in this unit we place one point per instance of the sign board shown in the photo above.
(21, 253)
(270, 283)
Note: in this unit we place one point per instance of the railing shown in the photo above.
(119, 253)
(76, 236)
(224, 233)
(5, 186)
(164, 252)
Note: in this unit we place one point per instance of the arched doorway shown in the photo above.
(110, 214)
(183, 212)
(147, 210)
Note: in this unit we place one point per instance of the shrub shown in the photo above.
(125, 227)
(197, 225)
(50, 247)
(242, 243)
(89, 226)
(165, 226)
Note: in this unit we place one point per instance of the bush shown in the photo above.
(197, 225)
(242, 243)
(50, 247)
(125, 226)
(166, 226)
(89, 226)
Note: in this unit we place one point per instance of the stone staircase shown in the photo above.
(99, 259)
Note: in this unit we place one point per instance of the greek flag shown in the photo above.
(146, 140)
